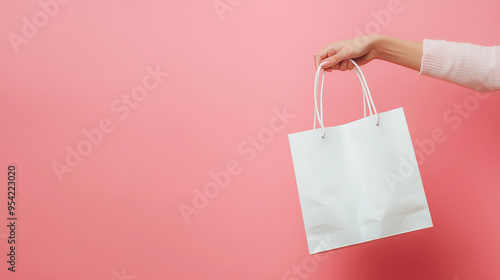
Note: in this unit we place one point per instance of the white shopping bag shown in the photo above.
(358, 181)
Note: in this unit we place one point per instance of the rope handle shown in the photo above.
(366, 97)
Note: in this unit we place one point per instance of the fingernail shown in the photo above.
(325, 63)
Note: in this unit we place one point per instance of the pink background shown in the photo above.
(116, 215)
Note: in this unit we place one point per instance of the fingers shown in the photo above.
(320, 56)
(336, 55)
(350, 66)
(329, 59)
(347, 65)
(327, 53)
(343, 65)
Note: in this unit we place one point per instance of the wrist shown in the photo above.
(377, 45)
(398, 51)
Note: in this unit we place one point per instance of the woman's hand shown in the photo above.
(336, 55)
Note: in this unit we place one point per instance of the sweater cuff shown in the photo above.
(433, 53)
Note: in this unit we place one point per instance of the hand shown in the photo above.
(336, 55)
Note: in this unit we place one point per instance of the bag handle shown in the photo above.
(366, 96)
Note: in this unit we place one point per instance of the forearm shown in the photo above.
(398, 51)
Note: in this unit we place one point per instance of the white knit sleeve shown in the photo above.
(472, 66)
